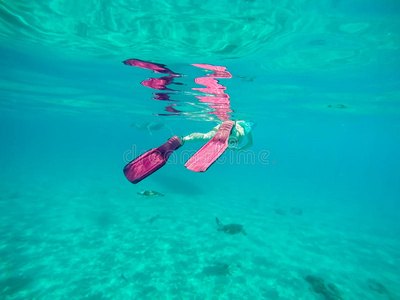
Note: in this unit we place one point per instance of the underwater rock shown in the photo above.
(378, 287)
(220, 269)
(150, 193)
(10, 287)
(296, 211)
(269, 294)
(230, 228)
(337, 106)
(280, 212)
(329, 290)
(334, 292)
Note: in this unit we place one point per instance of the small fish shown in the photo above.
(124, 278)
(152, 219)
(230, 228)
(150, 193)
(341, 106)
(296, 211)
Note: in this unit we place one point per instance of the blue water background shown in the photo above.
(73, 227)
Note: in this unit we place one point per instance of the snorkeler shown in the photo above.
(228, 134)
(240, 130)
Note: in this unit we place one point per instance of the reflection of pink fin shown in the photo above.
(210, 67)
(149, 162)
(211, 151)
(157, 68)
(162, 96)
(172, 110)
(158, 83)
(216, 100)
(212, 86)
(219, 71)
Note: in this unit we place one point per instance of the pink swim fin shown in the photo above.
(149, 162)
(211, 151)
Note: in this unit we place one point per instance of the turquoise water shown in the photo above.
(318, 196)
